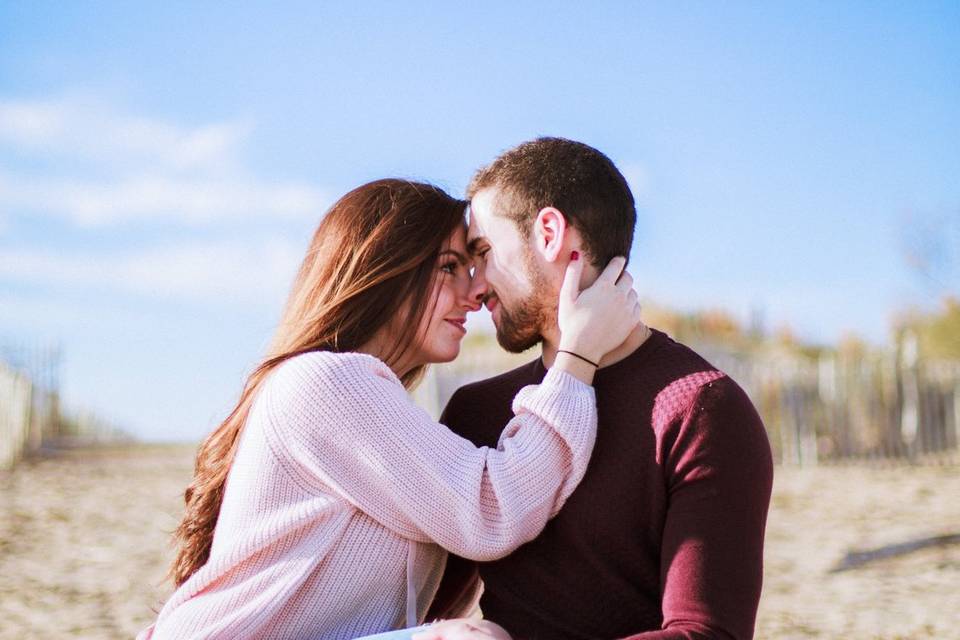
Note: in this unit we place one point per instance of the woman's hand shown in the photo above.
(463, 629)
(599, 318)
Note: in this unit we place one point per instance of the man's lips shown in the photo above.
(491, 303)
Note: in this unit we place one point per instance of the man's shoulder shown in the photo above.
(682, 378)
(696, 375)
(661, 350)
(659, 365)
(705, 400)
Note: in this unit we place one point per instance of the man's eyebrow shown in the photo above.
(473, 242)
(462, 259)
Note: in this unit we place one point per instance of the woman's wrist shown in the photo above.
(580, 348)
(577, 367)
(576, 355)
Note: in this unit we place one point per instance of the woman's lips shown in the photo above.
(458, 324)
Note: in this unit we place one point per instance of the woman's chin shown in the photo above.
(448, 354)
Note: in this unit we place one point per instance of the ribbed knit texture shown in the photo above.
(344, 496)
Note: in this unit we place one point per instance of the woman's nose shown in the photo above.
(477, 289)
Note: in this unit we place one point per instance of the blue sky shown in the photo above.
(162, 167)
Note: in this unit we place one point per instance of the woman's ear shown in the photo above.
(550, 233)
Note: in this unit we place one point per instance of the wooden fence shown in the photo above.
(889, 408)
(879, 408)
(29, 414)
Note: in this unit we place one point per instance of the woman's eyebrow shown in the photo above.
(462, 259)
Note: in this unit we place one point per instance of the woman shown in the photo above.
(322, 506)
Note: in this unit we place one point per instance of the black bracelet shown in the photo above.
(577, 355)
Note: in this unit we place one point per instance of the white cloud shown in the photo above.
(157, 170)
(257, 272)
(92, 130)
(188, 200)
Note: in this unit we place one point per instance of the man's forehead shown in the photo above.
(484, 200)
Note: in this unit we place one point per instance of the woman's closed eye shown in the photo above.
(450, 267)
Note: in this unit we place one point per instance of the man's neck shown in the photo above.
(633, 342)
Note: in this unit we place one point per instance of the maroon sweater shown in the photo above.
(664, 536)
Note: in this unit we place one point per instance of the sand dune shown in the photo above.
(83, 548)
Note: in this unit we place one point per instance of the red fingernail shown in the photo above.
(574, 255)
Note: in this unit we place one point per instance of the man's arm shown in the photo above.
(720, 476)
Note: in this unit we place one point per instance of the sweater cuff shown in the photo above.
(566, 383)
(560, 395)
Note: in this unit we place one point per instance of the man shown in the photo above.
(663, 539)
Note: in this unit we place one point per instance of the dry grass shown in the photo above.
(83, 547)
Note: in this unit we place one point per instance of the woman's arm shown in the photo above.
(346, 424)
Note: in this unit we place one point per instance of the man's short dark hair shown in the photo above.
(575, 178)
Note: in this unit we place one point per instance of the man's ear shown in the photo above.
(550, 232)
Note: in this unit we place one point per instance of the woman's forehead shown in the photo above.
(458, 239)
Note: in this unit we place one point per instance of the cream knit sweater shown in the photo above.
(344, 494)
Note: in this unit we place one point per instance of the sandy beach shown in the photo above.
(84, 546)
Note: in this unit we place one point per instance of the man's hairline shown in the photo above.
(501, 191)
(474, 241)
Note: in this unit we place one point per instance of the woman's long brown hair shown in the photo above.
(371, 263)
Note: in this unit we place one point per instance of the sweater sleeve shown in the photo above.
(460, 586)
(719, 477)
(347, 425)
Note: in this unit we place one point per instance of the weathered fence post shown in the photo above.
(15, 415)
(909, 392)
(956, 411)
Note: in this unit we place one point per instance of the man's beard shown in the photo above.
(521, 327)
